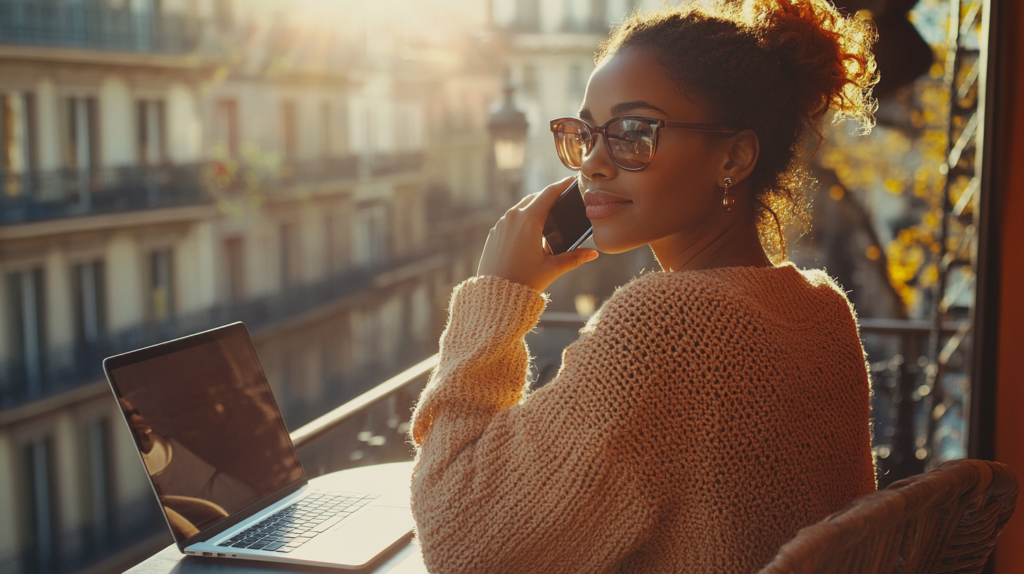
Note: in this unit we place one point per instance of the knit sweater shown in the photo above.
(698, 422)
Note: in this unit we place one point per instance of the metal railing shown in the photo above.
(317, 170)
(40, 196)
(381, 165)
(60, 369)
(96, 25)
(372, 428)
(134, 523)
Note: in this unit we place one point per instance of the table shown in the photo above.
(383, 478)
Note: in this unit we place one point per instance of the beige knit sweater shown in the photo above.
(699, 421)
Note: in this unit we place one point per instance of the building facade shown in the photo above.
(208, 165)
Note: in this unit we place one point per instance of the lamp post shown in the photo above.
(508, 127)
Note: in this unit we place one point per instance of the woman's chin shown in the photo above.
(608, 243)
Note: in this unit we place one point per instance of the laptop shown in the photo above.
(223, 467)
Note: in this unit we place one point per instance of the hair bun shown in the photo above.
(827, 53)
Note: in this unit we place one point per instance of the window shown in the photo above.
(366, 340)
(234, 254)
(577, 81)
(420, 314)
(330, 247)
(222, 13)
(371, 234)
(161, 284)
(530, 78)
(89, 292)
(291, 256)
(26, 291)
(527, 15)
(81, 138)
(97, 486)
(326, 150)
(370, 125)
(39, 507)
(409, 136)
(225, 127)
(288, 135)
(150, 120)
(17, 140)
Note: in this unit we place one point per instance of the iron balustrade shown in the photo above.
(395, 163)
(372, 428)
(317, 170)
(63, 368)
(41, 196)
(127, 527)
(96, 25)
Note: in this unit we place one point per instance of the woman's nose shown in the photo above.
(598, 164)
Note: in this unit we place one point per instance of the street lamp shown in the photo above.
(508, 127)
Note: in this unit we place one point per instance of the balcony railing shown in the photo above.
(381, 165)
(41, 196)
(372, 428)
(311, 172)
(60, 369)
(96, 25)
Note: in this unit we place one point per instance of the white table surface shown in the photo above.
(383, 478)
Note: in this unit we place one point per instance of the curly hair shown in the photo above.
(772, 66)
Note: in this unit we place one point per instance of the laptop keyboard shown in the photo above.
(295, 525)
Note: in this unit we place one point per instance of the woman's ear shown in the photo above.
(741, 155)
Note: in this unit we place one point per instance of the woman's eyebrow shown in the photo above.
(621, 108)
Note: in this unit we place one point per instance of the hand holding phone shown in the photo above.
(515, 247)
(567, 226)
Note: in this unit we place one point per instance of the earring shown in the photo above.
(727, 202)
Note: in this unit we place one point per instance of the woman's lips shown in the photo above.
(604, 209)
(602, 204)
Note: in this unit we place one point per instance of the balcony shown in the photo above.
(64, 368)
(383, 165)
(96, 26)
(43, 196)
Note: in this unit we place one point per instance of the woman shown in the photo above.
(708, 411)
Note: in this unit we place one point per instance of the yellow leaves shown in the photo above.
(906, 237)
(896, 174)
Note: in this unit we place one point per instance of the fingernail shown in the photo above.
(590, 256)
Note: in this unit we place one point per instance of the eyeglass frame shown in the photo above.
(656, 125)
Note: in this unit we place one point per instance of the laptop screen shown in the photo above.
(205, 421)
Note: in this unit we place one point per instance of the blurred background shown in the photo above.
(327, 171)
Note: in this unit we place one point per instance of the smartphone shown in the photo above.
(567, 225)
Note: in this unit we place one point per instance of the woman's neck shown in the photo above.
(735, 244)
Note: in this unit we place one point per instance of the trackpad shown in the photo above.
(360, 540)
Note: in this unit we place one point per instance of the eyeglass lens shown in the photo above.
(630, 142)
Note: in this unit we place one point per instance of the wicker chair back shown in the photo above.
(946, 520)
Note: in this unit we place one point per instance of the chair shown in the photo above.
(946, 520)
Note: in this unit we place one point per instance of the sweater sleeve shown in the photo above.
(510, 483)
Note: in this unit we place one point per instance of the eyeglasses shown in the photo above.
(631, 140)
